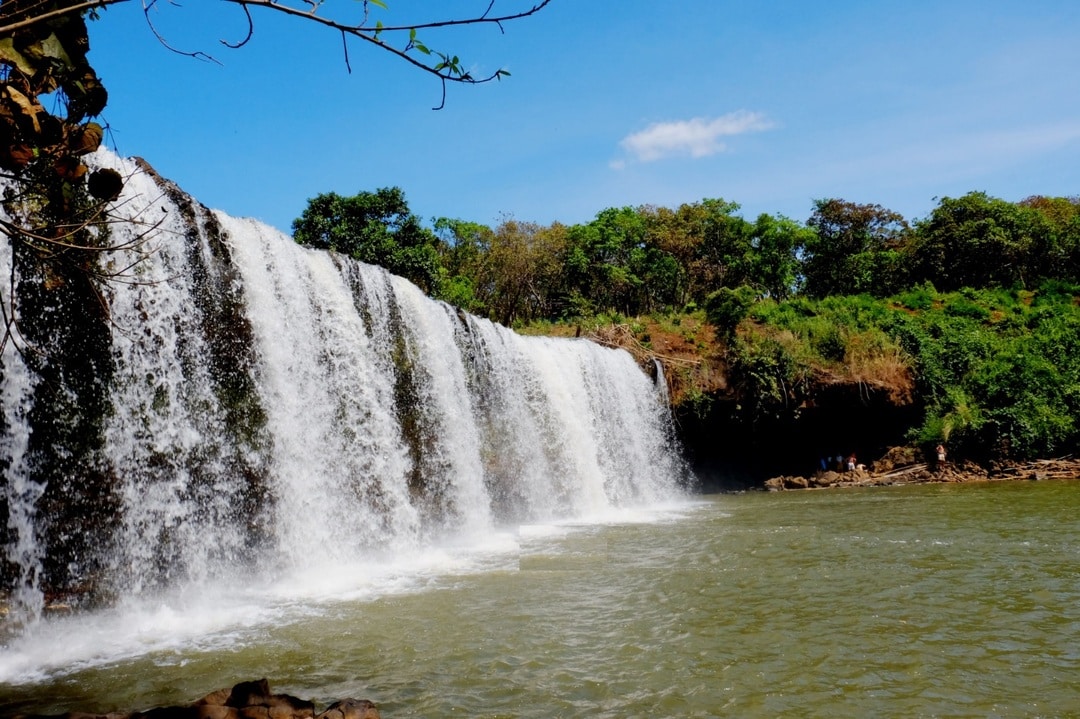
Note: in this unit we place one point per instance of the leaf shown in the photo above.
(51, 47)
(86, 139)
(422, 47)
(29, 108)
(378, 3)
(10, 55)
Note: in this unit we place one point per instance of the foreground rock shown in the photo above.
(247, 700)
(895, 469)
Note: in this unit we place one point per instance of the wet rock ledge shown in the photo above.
(247, 700)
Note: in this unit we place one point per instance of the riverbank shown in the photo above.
(890, 472)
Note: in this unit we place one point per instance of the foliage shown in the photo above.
(373, 227)
(521, 279)
(979, 241)
(726, 308)
(854, 248)
(773, 266)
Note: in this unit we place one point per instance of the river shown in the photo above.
(919, 601)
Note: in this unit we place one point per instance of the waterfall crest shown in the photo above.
(271, 407)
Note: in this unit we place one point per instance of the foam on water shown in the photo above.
(197, 619)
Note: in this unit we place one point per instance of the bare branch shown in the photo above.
(442, 102)
(197, 54)
(250, 31)
(345, 50)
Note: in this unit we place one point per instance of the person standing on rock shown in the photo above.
(940, 449)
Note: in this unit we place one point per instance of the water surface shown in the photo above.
(931, 601)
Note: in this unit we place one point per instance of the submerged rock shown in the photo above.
(246, 700)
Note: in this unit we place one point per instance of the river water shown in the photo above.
(923, 601)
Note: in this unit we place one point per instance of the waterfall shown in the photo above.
(271, 408)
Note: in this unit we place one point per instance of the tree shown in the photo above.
(727, 307)
(463, 249)
(1062, 215)
(854, 249)
(522, 277)
(602, 261)
(773, 264)
(372, 227)
(982, 241)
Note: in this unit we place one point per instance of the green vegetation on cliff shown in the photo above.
(994, 372)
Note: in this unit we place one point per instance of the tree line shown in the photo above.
(639, 260)
(969, 317)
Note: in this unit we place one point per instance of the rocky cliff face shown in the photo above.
(728, 452)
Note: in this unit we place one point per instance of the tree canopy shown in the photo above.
(373, 227)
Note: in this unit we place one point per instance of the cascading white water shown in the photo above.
(280, 408)
(20, 492)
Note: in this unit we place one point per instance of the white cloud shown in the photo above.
(698, 137)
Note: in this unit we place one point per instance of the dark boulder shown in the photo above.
(246, 700)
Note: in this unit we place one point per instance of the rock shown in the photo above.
(248, 694)
(351, 709)
(894, 458)
(217, 698)
(246, 700)
(828, 478)
(777, 484)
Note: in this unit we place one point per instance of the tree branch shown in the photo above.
(445, 70)
(75, 8)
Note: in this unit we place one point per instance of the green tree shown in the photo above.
(981, 241)
(773, 264)
(602, 259)
(463, 247)
(722, 246)
(854, 249)
(669, 235)
(372, 227)
(1061, 256)
(726, 308)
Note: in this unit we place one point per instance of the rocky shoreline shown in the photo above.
(898, 467)
(246, 700)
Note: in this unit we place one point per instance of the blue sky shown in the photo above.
(609, 103)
